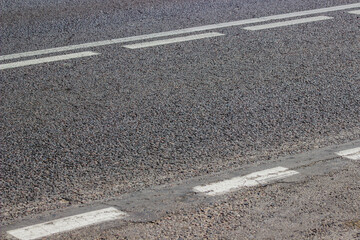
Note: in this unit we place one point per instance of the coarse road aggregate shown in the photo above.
(87, 129)
(325, 206)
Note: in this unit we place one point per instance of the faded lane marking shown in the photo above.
(288, 23)
(173, 40)
(46, 60)
(249, 180)
(355, 12)
(67, 224)
(353, 153)
(180, 31)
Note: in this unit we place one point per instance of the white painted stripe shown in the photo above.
(180, 31)
(46, 60)
(249, 180)
(67, 224)
(355, 12)
(173, 40)
(287, 23)
(353, 153)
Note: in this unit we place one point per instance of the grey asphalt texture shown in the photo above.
(322, 206)
(92, 128)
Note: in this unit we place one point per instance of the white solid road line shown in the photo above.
(249, 180)
(355, 12)
(173, 40)
(180, 31)
(46, 60)
(353, 154)
(288, 23)
(67, 224)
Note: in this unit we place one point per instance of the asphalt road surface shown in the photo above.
(103, 98)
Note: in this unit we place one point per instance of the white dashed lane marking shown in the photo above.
(249, 180)
(153, 197)
(173, 40)
(288, 23)
(46, 60)
(353, 154)
(355, 12)
(67, 224)
(180, 31)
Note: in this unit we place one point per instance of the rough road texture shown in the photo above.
(320, 207)
(82, 130)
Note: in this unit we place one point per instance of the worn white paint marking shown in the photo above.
(249, 180)
(46, 60)
(180, 31)
(173, 40)
(288, 23)
(67, 224)
(353, 153)
(355, 12)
